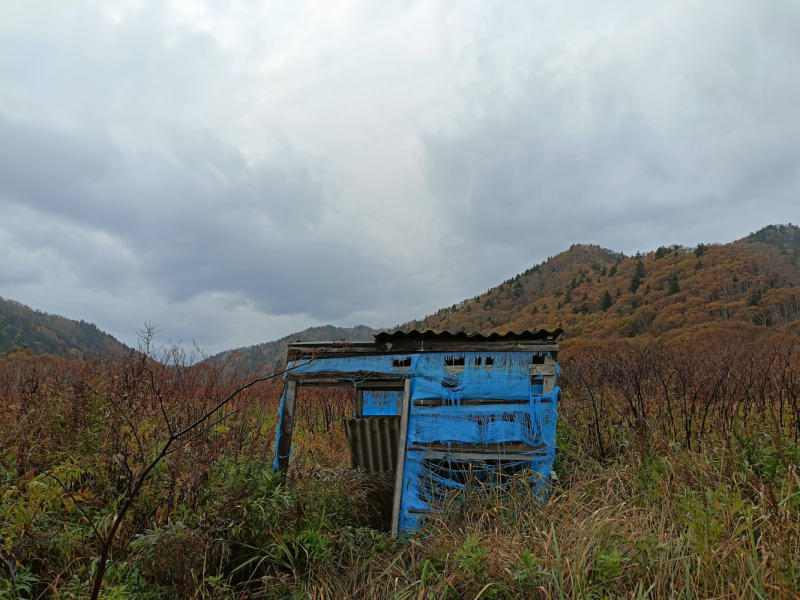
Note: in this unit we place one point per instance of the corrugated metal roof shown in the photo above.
(462, 336)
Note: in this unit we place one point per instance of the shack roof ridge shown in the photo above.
(334, 343)
(385, 340)
(541, 334)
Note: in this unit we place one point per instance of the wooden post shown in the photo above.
(549, 380)
(401, 457)
(287, 426)
(359, 403)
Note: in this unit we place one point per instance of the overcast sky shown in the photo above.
(236, 171)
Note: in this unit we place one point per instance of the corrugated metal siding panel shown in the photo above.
(373, 442)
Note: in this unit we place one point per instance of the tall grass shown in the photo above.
(677, 479)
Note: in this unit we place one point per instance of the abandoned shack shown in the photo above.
(436, 408)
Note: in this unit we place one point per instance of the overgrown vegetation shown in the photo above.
(677, 465)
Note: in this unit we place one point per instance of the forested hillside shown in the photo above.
(273, 353)
(22, 327)
(594, 293)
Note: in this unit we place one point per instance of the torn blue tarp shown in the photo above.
(381, 403)
(429, 476)
(460, 400)
(278, 432)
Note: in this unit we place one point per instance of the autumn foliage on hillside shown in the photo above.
(23, 329)
(594, 293)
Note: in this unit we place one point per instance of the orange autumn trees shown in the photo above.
(594, 293)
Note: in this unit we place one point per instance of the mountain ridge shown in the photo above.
(272, 353)
(592, 292)
(753, 280)
(25, 329)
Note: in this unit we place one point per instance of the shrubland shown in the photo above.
(676, 459)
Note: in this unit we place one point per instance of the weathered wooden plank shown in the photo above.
(330, 383)
(305, 353)
(380, 386)
(542, 370)
(287, 426)
(401, 458)
(433, 402)
(481, 456)
(351, 377)
(387, 385)
(484, 449)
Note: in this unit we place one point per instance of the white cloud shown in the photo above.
(238, 170)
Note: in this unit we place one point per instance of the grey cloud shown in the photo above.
(587, 154)
(49, 168)
(201, 219)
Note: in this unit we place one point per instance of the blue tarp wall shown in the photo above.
(382, 403)
(452, 379)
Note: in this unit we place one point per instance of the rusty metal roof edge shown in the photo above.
(462, 336)
(384, 341)
(333, 343)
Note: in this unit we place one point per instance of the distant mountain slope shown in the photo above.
(22, 327)
(595, 293)
(785, 237)
(274, 353)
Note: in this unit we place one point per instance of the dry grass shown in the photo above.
(695, 525)
(636, 514)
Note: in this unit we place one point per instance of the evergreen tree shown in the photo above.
(606, 302)
(636, 280)
(674, 285)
